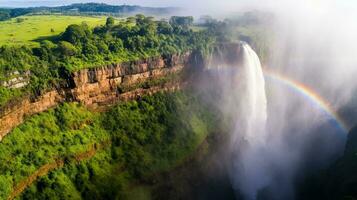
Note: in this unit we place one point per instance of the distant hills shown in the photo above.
(88, 9)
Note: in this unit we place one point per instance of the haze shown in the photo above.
(197, 4)
(313, 43)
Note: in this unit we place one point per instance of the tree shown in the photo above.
(19, 20)
(45, 50)
(5, 186)
(147, 27)
(102, 47)
(116, 45)
(164, 27)
(66, 48)
(110, 21)
(89, 49)
(139, 18)
(75, 33)
(130, 20)
(101, 30)
(181, 21)
(123, 31)
(4, 15)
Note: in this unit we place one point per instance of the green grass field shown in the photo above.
(35, 27)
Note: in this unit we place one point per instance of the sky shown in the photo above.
(160, 3)
(192, 7)
(202, 6)
(22, 3)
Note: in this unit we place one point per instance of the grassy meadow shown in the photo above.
(18, 32)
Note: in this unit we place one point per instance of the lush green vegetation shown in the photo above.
(146, 136)
(6, 14)
(133, 39)
(43, 138)
(33, 28)
(50, 58)
(80, 46)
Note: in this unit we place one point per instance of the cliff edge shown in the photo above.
(101, 86)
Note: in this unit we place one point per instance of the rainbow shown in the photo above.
(309, 94)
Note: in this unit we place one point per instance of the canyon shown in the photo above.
(99, 87)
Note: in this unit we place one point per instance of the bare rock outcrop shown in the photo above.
(15, 115)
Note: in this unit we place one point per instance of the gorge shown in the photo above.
(142, 108)
(100, 88)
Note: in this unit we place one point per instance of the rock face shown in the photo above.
(98, 87)
(17, 81)
(15, 115)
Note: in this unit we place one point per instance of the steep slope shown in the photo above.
(139, 138)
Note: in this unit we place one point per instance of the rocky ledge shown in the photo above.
(99, 87)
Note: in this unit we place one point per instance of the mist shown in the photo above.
(312, 43)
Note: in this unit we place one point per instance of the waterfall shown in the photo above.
(262, 155)
(254, 95)
(248, 169)
(235, 84)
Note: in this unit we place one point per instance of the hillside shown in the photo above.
(86, 9)
(134, 140)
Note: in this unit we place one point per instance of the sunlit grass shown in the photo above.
(13, 32)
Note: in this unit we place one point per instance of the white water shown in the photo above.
(248, 145)
(238, 77)
(256, 101)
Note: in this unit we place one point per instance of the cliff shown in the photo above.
(100, 86)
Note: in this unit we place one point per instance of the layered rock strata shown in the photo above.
(98, 87)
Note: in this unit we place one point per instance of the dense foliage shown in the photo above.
(140, 138)
(6, 14)
(43, 138)
(79, 47)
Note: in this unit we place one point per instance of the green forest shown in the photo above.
(130, 143)
(80, 46)
(74, 152)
